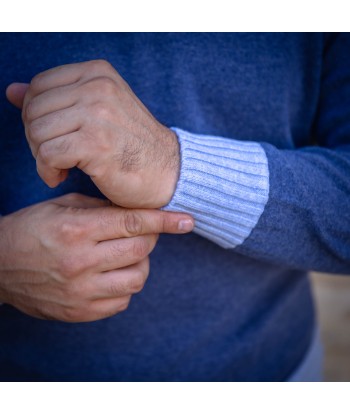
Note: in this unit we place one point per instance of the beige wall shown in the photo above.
(332, 295)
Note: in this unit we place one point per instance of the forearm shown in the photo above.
(282, 206)
(307, 214)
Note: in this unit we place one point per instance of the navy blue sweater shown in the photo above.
(264, 126)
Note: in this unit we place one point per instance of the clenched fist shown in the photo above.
(85, 115)
(76, 258)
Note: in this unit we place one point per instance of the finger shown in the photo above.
(70, 74)
(56, 77)
(15, 93)
(120, 253)
(78, 200)
(56, 156)
(49, 101)
(55, 124)
(92, 311)
(105, 308)
(113, 222)
(121, 282)
(49, 175)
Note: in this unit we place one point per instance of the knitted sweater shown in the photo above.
(263, 122)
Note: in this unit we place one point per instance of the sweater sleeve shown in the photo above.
(288, 207)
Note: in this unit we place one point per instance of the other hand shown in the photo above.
(86, 115)
(76, 258)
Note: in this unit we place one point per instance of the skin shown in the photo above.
(86, 115)
(77, 258)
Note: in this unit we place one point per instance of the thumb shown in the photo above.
(15, 93)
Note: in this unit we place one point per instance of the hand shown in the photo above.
(75, 258)
(86, 115)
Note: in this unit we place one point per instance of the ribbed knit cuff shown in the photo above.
(223, 184)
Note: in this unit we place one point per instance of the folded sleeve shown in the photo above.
(288, 207)
(224, 184)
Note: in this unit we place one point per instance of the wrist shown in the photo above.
(158, 182)
(170, 173)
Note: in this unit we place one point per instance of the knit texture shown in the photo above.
(223, 184)
(205, 313)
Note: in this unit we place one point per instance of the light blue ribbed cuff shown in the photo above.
(223, 184)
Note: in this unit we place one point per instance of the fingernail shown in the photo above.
(185, 225)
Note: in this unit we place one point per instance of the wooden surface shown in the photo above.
(332, 295)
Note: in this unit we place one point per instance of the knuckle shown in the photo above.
(69, 266)
(106, 85)
(29, 111)
(124, 304)
(132, 222)
(71, 315)
(100, 109)
(45, 154)
(138, 282)
(34, 129)
(145, 267)
(126, 287)
(70, 231)
(73, 197)
(101, 65)
(152, 241)
(61, 146)
(36, 82)
(136, 287)
(102, 314)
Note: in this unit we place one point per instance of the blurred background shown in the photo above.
(332, 295)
